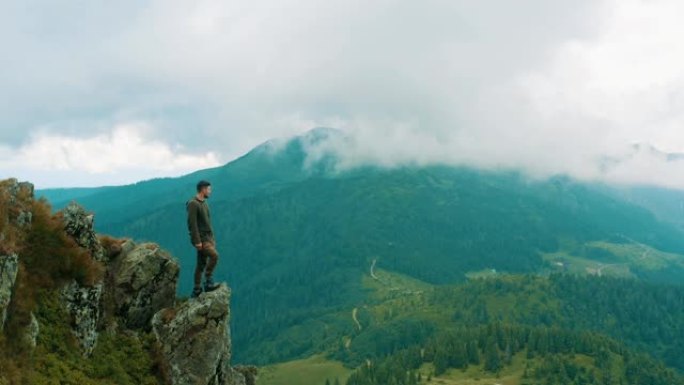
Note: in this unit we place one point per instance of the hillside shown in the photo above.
(506, 329)
(82, 309)
(296, 237)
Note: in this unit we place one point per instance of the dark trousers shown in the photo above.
(206, 261)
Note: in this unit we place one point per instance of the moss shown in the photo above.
(123, 359)
(55, 333)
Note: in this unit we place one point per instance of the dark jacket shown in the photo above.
(199, 221)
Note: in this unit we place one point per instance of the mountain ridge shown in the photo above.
(295, 237)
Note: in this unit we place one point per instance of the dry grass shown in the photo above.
(168, 314)
(111, 245)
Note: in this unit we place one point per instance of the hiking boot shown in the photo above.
(210, 285)
(196, 292)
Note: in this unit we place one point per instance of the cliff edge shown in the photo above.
(109, 296)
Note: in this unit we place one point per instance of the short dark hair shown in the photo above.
(202, 184)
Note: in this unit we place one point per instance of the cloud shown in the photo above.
(588, 99)
(548, 86)
(122, 156)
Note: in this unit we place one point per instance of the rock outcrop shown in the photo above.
(195, 341)
(79, 224)
(83, 305)
(83, 302)
(143, 281)
(135, 295)
(9, 265)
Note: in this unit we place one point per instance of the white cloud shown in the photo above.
(548, 86)
(590, 99)
(123, 155)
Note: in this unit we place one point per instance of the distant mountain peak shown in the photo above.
(322, 133)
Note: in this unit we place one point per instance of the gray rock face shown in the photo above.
(143, 280)
(9, 266)
(195, 340)
(83, 304)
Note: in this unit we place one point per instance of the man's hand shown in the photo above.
(198, 246)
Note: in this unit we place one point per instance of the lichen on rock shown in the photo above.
(143, 281)
(83, 305)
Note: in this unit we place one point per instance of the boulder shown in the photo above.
(143, 279)
(195, 340)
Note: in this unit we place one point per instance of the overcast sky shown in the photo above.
(111, 92)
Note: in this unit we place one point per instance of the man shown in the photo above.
(202, 238)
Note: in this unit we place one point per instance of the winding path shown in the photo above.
(355, 318)
(372, 270)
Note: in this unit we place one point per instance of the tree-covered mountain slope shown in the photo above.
(296, 236)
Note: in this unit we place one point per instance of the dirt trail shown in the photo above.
(356, 319)
(372, 270)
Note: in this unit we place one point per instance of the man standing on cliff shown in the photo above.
(202, 238)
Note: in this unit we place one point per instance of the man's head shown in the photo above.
(204, 189)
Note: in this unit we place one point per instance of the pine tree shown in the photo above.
(473, 353)
(492, 360)
(508, 356)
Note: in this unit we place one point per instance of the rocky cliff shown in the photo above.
(15, 217)
(196, 341)
(131, 295)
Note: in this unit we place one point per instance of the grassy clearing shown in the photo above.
(625, 258)
(310, 371)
